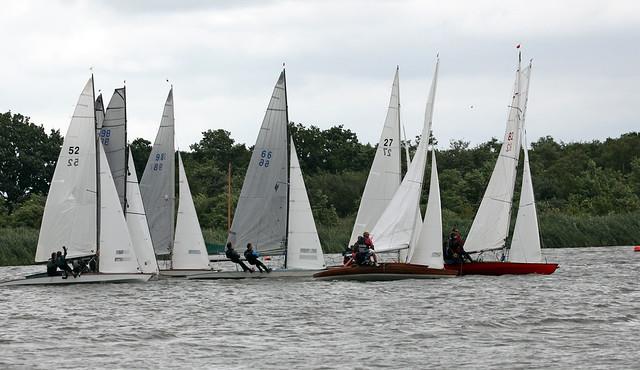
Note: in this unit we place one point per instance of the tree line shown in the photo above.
(587, 193)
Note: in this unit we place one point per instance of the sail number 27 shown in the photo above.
(385, 147)
(265, 156)
(73, 150)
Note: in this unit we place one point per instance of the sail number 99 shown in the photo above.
(265, 156)
(386, 151)
(73, 161)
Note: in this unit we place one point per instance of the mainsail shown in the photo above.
(490, 227)
(69, 217)
(303, 245)
(384, 176)
(428, 249)
(394, 230)
(189, 251)
(137, 223)
(261, 214)
(158, 183)
(113, 137)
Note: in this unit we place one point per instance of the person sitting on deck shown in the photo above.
(235, 257)
(252, 257)
(362, 252)
(52, 267)
(369, 243)
(61, 261)
(456, 246)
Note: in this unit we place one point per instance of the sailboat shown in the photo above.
(273, 212)
(82, 211)
(490, 227)
(182, 238)
(400, 225)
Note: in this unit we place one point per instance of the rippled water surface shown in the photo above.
(587, 314)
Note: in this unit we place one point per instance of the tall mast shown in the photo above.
(97, 141)
(519, 127)
(229, 199)
(126, 147)
(399, 132)
(286, 101)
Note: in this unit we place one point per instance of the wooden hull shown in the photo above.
(88, 278)
(274, 274)
(495, 268)
(182, 273)
(384, 271)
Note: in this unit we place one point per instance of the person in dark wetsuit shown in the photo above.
(52, 267)
(233, 255)
(252, 258)
(61, 261)
(456, 246)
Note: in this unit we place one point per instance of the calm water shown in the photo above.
(587, 314)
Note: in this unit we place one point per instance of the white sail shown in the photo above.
(113, 138)
(394, 230)
(116, 254)
(428, 250)
(189, 251)
(525, 245)
(69, 217)
(490, 227)
(158, 183)
(137, 223)
(385, 174)
(304, 251)
(261, 214)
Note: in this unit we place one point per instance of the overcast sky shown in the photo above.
(224, 57)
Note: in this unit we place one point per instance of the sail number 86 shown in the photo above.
(265, 156)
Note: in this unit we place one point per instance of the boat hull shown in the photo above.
(274, 274)
(88, 278)
(636, 248)
(182, 273)
(496, 268)
(384, 271)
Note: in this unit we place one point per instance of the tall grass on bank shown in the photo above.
(17, 246)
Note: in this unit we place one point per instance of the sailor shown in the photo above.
(235, 257)
(369, 243)
(456, 244)
(52, 267)
(61, 261)
(252, 257)
(362, 252)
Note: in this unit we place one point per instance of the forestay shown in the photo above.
(394, 229)
(303, 245)
(113, 138)
(158, 183)
(261, 214)
(385, 174)
(428, 250)
(69, 217)
(117, 254)
(137, 223)
(491, 225)
(189, 251)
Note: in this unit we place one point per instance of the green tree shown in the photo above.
(140, 149)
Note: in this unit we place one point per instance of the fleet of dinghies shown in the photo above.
(97, 209)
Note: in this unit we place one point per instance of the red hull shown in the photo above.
(384, 271)
(502, 268)
(637, 248)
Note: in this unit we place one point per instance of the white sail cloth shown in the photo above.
(158, 183)
(394, 230)
(113, 138)
(69, 217)
(261, 214)
(428, 249)
(137, 223)
(490, 226)
(385, 174)
(189, 251)
(304, 251)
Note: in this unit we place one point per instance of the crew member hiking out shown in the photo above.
(61, 261)
(52, 267)
(233, 255)
(252, 257)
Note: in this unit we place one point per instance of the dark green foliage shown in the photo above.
(587, 193)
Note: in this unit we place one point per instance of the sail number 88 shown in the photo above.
(265, 156)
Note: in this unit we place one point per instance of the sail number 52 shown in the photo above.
(73, 161)
(265, 156)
